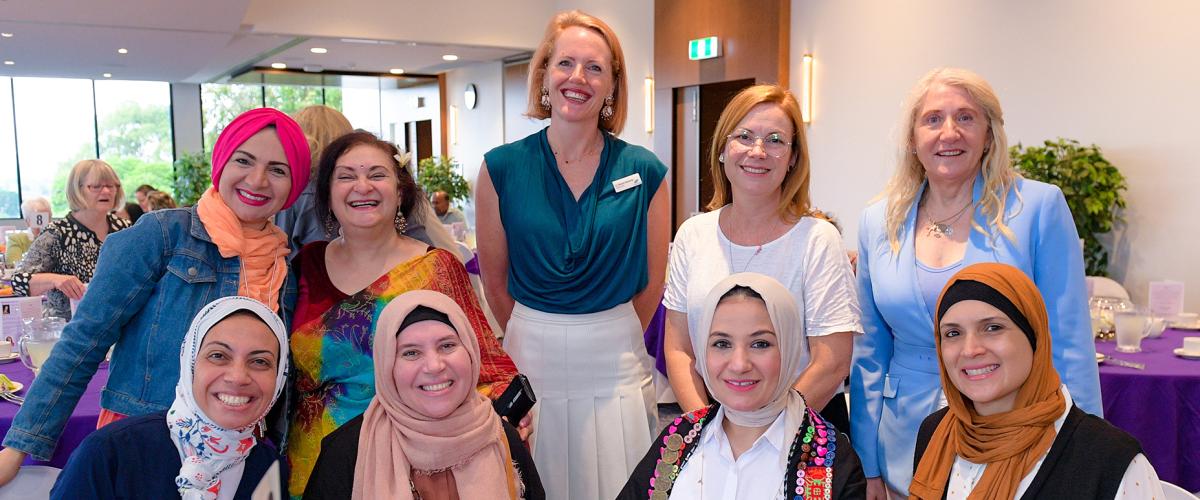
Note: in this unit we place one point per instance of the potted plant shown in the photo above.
(1091, 184)
(441, 173)
(193, 176)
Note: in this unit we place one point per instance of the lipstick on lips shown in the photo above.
(252, 199)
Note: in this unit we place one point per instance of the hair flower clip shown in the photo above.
(403, 158)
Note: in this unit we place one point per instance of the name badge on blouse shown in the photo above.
(627, 182)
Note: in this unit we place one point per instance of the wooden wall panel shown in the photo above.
(753, 33)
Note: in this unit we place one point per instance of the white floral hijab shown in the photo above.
(208, 451)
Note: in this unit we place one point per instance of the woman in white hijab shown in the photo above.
(766, 442)
(232, 367)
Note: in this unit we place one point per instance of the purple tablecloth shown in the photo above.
(1160, 406)
(82, 422)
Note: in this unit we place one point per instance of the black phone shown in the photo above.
(516, 400)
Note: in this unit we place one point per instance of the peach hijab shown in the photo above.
(396, 439)
(1012, 442)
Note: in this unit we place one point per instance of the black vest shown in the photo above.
(1086, 461)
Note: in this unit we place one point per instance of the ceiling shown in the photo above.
(189, 41)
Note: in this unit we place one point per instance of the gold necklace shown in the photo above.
(590, 152)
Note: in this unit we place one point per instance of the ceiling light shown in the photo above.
(279, 65)
(122, 51)
(449, 57)
(6, 35)
(396, 71)
(318, 50)
(9, 63)
(108, 75)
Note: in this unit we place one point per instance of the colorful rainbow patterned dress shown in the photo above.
(331, 345)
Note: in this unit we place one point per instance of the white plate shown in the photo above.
(1183, 354)
(17, 386)
(1192, 325)
(10, 358)
(33, 481)
(1099, 358)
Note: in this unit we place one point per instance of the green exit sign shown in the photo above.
(704, 48)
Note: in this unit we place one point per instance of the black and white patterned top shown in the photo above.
(66, 246)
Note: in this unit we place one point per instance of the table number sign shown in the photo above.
(39, 220)
(1166, 298)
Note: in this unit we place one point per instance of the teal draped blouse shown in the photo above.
(569, 256)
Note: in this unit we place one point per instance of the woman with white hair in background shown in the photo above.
(36, 212)
(61, 260)
(954, 200)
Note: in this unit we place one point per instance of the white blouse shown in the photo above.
(1140, 481)
(757, 474)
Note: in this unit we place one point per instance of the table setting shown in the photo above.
(1150, 383)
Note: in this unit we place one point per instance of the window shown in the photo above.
(10, 204)
(55, 128)
(222, 103)
(134, 133)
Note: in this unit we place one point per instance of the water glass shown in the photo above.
(1132, 325)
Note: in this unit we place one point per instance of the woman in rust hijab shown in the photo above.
(1011, 429)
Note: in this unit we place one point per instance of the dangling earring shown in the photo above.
(331, 226)
(607, 111)
(545, 98)
(721, 158)
(401, 222)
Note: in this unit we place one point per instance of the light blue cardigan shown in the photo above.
(894, 382)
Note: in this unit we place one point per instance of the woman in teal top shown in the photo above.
(573, 228)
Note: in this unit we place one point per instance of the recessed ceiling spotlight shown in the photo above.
(6, 35)
(318, 50)
(122, 51)
(9, 63)
(449, 57)
(396, 71)
(108, 75)
(279, 65)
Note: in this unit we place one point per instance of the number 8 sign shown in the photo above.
(39, 220)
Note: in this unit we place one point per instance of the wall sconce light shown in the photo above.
(806, 90)
(453, 125)
(649, 97)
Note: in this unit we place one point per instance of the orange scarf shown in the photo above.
(1012, 442)
(263, 252)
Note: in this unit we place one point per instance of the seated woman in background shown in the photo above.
(1012, 429)
(59, 263)
(365, 196)
(130, 212)
(158, 200)
(760, 440)
(232, 368)
(18, 241)
(426, 434)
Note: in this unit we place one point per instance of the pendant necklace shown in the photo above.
(729, 243)
(588, 153)
(944, 227)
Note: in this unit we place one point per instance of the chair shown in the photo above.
(1173, 492)
(1106, 287)
(33, 482)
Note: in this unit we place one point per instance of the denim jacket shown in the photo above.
(150, 281)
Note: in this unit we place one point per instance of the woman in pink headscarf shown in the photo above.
(151, 279)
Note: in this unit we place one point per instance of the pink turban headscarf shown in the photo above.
(295, 145)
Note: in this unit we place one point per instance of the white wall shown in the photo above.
(479, 129)
(1107, 72)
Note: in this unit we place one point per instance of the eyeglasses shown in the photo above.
(96, 188)
(773, 144)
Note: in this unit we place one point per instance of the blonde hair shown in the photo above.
(158, 200)
(794, 201)
(998, 174)
(79, 174)
(321, 125)
(541, 58)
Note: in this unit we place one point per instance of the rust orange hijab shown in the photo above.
(1012, 442)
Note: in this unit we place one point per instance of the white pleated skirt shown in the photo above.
(596, 412)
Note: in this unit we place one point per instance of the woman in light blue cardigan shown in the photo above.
(954, 200)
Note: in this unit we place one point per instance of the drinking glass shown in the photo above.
(1132, 325)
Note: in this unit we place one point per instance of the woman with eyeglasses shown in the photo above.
(63, 258)
(761, 221)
